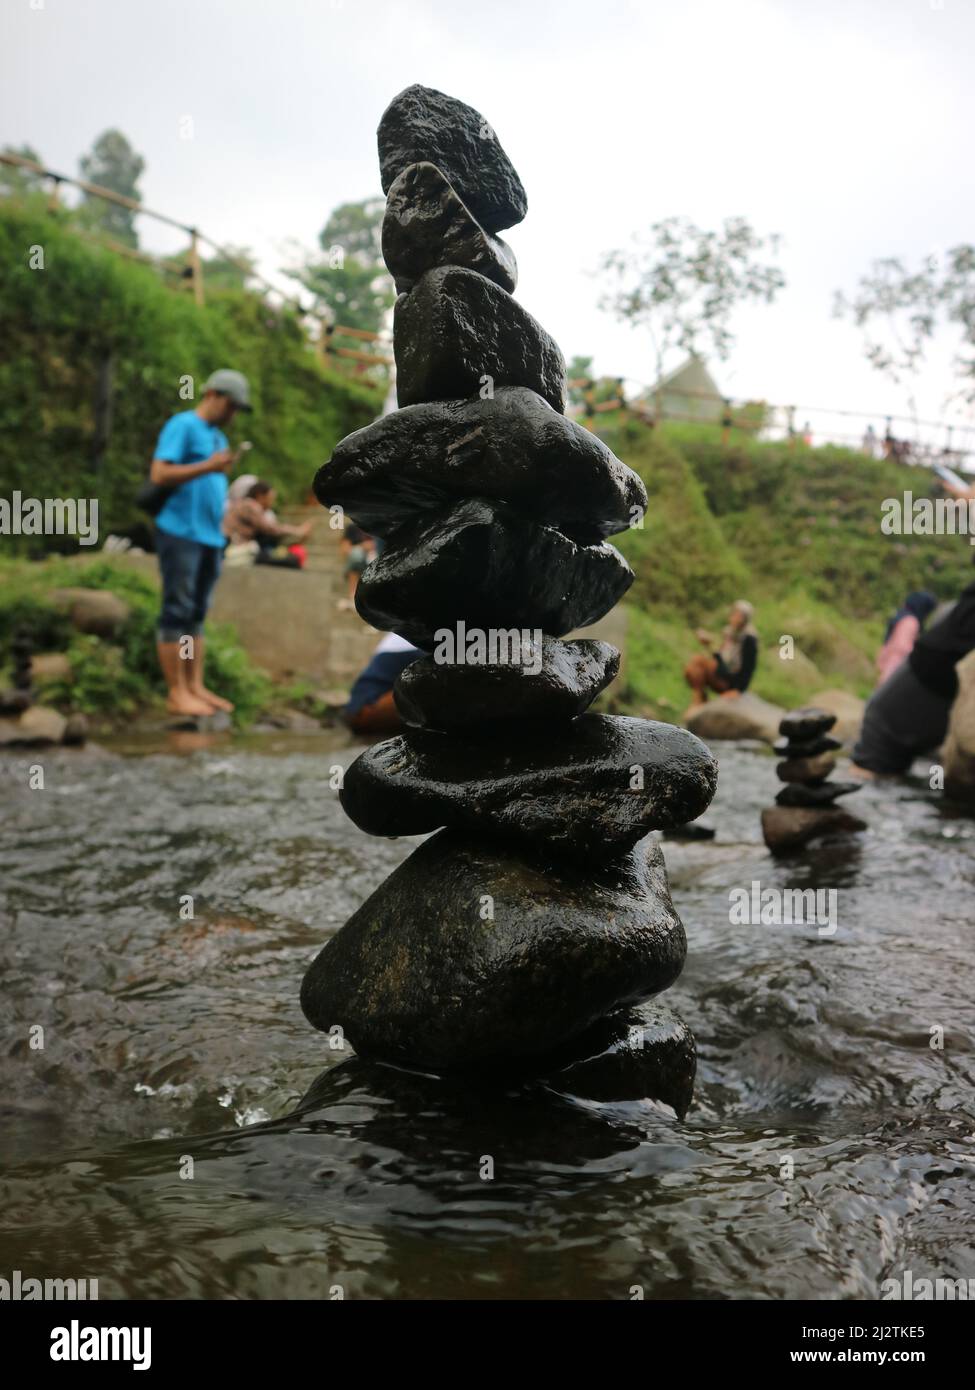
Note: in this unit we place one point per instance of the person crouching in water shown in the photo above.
(908, 715)
(371, 708)
(729, 670)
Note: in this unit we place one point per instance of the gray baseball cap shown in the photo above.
(232, 384)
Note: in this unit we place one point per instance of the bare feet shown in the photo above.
(215, 701)
(185, 702)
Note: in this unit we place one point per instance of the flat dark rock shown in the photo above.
(427, 225)
(471, 956)
(593, 787)
(514, 448)
(457, 334)
(806, 748)
(645, 1052)
(561, 684)
(814, 769)
(483, 565)
(788, 828)
(817, 795)
(423, 125)
(806, 724)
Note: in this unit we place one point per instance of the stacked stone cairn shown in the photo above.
(805, 808)
(526, 933)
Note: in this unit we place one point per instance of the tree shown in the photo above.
(349, 282)
(229, 271)
(112, 164)
(19, 183)
(909, 307)
(683, 284)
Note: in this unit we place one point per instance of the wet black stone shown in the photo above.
(809, 771)
(806, 748)
(427, 225)
(471, 956)
(456, 334)
(645, 1052)
(482, 564)
(786, 829)
(514, 448)
(804, 725)
(423, 125)
(817, 795)
(437, 695)
(593, 787)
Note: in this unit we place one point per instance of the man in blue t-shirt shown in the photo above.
(193, 458)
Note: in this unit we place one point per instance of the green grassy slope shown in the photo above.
(795, 530)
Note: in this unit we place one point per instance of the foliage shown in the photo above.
(88, 306)
(112, 164)
(16, 182)
(349, 283)
(113, 679)
(683, 284)
(908, 307)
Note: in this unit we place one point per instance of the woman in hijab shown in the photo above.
(729, 669)
(903, 630)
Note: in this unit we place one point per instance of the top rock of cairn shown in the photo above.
(422, 125)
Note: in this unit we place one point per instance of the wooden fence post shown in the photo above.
(196, 268)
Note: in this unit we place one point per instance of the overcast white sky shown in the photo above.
(843, 125)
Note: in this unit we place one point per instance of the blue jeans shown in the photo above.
(189, 571)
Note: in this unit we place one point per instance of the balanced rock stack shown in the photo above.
(805, 808)
(526, 931)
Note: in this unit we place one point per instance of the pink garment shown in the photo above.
(897, 648)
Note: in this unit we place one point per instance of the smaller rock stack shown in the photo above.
(20, 695)
(805, 807)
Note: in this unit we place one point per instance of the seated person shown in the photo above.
(903, 630)
(728, 670)
(359, 550)
(908, 714)
(249, 521)
(371, 708)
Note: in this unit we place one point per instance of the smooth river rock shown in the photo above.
(457, 334)
(593, 787)
(787, 828)
(747, 717)
(814, 769)
(468, 956)
(423, 125)
(822, 794)
(807, 748)
(483, 565)
(559, 685)
(428, 225)
(513, 448)
(644, 1052)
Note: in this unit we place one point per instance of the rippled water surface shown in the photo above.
(168, 1040)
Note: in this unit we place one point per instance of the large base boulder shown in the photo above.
(474, 956)
(747, 717)
(787, 828)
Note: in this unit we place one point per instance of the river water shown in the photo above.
(153, 1143)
